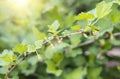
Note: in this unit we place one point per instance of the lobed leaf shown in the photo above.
(38, 44)
(51, 68)
(54, 26)
(20, 48)
(84, 16)
(103, 9)
(31, 48)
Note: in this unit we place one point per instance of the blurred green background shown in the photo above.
(25, 21)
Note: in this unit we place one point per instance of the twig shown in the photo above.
(116, 34)
(51, 38)
(92, 41)
(84, 43)
(13, 66)
(45, 41)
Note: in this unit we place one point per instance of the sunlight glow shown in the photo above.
(18, 8)
(25, 8)
(21, 3)
(18, 3)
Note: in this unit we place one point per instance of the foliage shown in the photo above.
(59, 43)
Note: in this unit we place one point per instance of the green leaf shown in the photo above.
(84, 16)
(104, 25)
(39, 35)
(115, 14)
(79, 60)
(115, 42)
(77, 73)
(20, 48)
(94, 73)
(103, 9)
(87, 28)
(57, 58)
(117, 1)
(51, 51)
(65, 32)
(74, 53)
(26, 68)
(54, 26)
(7, 57)
(51, 68)
(3, 62)
(32, 60)
(3, 70)
(75, 27)
(75, 40)
(38, 44)
(31, 48)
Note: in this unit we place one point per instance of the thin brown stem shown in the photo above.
(47, 40)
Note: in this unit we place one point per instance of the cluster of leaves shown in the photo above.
(78, 51)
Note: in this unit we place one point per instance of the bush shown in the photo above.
(58, 39)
